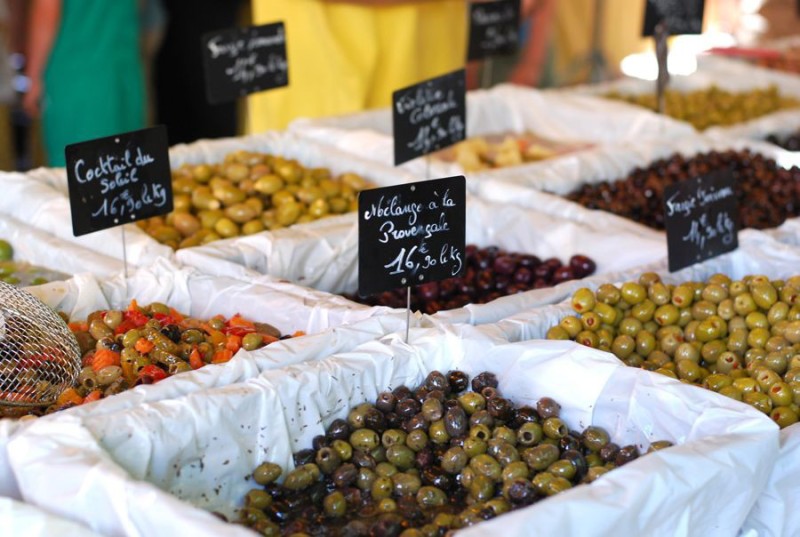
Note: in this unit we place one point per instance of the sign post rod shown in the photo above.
(124, 259)
(487, 73)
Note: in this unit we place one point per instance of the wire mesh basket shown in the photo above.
(39, 355)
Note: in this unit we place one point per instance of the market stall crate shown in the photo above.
(165, 466)
(773, 513)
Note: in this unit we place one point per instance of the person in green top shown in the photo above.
(85, 70)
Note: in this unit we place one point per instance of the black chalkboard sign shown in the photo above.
(682, 16)
(493, 29)
(702, 218)
(429, 116)
(411, 234)
(118, 179)
(240, 61)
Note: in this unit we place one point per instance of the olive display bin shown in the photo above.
(774, 513)
(42, 250)
(115, 470)
(324, 254)
(543, 192)
(712, 72)
(47, 206)
(285, 306)
(504, 109)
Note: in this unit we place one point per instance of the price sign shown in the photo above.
(702, 218)
(493, 29)
(429, 116)
(681, 16)
(118, 179)
(411, 234)
(240, 61)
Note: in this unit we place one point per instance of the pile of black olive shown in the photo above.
(491, 273)
(423, 462)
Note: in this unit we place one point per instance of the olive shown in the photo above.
(554, 428)
(483, 380)
(328, 460)
(519, 491)
(529, 434)
(454, 460)
(432, 409)
(334, 504)
(458, 381)
(540, 457)
(400, 455)
(338, 430)
(547, 408)
(500, 408)
(364, 439)
(455, 421)
(430, 496)
(481, 417)
(625, 455)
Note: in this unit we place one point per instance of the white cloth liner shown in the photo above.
(44, 250)
(774, 514)
(17, 518)
(505, 108)
(46, 205)
(325, 256)
(201, 447)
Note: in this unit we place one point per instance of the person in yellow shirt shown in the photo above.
(350, 55)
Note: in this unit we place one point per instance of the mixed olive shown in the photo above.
(426, 461)
(740, 338)
(714, 106)
(121, 349)
(491, 273)
(248, 193)
(767, 194)
(20, 273)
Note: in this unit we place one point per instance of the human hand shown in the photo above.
(31, 100)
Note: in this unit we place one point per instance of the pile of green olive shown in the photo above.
(714, 106)
(740, 338)
(249, 193)
(427, 461)
(21, 274)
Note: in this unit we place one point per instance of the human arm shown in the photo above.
(532, 57)
(45, 18)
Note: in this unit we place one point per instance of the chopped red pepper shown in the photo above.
(154, 372)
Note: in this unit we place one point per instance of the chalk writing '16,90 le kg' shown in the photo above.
(127, 203)
(419, 258)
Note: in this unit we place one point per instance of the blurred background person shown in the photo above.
(85, 71)
(179, 78)
(350, 55)
(153, 24)
(7, 93)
